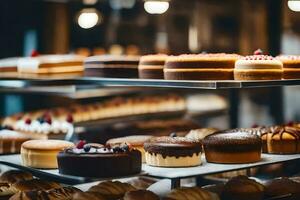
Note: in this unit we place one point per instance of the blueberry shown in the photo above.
(173, 135)
(87, 147)
(41, 120)
(117, 149)
(125, 147)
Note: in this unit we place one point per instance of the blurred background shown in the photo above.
(137, 27)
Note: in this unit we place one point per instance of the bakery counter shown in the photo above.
(43, 81)
(174, 174)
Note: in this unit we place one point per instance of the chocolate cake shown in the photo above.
(112, 66)
(92, 160)
(232, 147)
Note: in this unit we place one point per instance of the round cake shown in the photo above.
(151, 66)
(173, 152)
(42, 153)
(242, 188)
(283, 140)
(232, 147)
(92, 160)
(112, 66)
(135, 141)
(291, 66)
(217, 66)
(258, 67)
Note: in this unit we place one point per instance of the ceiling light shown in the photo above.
(156, 7)
(294, 5)
(88, 18)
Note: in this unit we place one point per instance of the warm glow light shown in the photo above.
(88, 18)
(294, 5)
(156, 7)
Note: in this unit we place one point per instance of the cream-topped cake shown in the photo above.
(291, 66)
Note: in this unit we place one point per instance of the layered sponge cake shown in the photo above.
(291, 66)
(218, 66)
(151, 66)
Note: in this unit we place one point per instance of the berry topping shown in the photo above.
(117, 149)
(125, 147)
(28, 121)
(258, 52)
(87, 147)
(41, 120)
(254, 126)
(80, 144)
(48, 120)
(70, 118)
(34, 53)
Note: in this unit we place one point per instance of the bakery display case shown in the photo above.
(150, 99)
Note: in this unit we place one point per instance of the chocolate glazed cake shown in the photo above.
(173, 152)
(232, 147)
(112, 66)
(99, 162)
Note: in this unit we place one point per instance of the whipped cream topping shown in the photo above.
(258, 62)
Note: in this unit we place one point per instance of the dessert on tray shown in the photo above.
(98, 161)
(258, 67)
(152, 66)
(232, 147)
(112, 66)
(213, 66)
(42, 153)
(173, 152)
(291, 66)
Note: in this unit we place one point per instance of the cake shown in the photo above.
(112, 66)
(112, 189)
(291, 66)
(140, 195)
(42, 153)
(282, 188)
(135, 141)
(11, 141)
(51, 64)
(200, 67)
(242, 188)
(151, 66)
(283, 140)
(173, 152)
(232, 147)
(191, 193)
(9, 65)
(90, 160)
(258, 67)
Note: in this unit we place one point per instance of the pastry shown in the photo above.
(232, 147)
(258, 67)
(63, 193)
(112, 66)
(135, 141)
(242, 188)
(151, 66)
(88, 196)
(173, 152)
(200, 134)
(141, 183)
(112, 189)
(200, 67)
(285, 188)
(193, 193)
(140, 194)
(283, 140)
(13, 176)
(42, 153)
(90, 160)
(11, 141)
(35, 184)
(291, 66)
(51, 64)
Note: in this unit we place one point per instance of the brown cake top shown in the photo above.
(239, 183)
(232, 141)
(173, 146)
(284, 133)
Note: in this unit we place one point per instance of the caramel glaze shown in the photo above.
(173, 146)
(235, 141)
